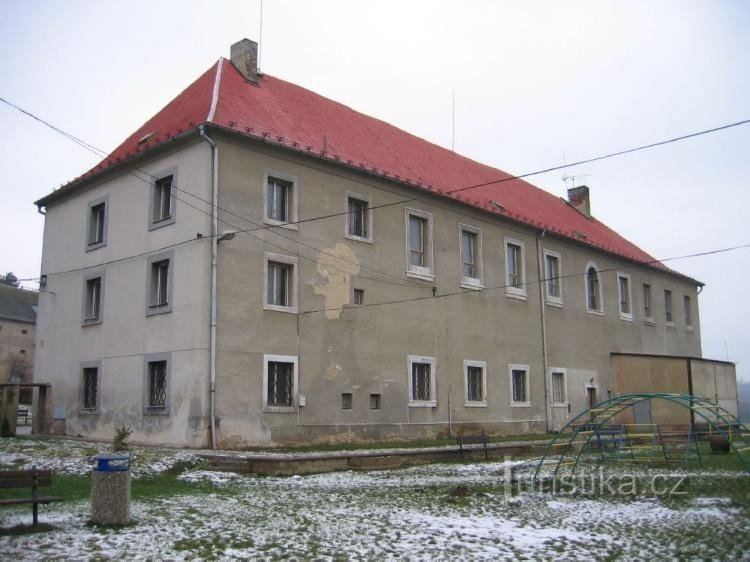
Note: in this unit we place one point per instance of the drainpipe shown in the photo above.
(545, 358)
(214, 261)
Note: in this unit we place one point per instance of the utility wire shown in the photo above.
(524, 284)
(102, 154)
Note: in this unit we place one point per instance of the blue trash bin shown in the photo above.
(112, 463)
(110, 490)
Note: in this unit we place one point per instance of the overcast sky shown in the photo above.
(535, 82)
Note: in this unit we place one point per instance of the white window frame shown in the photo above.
(267, 358)
(85, 320)
(552, 299)
(511, 291)
(471, 282)
(432, 402)
(519, 367)
(288, 260)
(669, 323)
(648, 318)
(564, 373)
(687, 310)
(624, 315)
(90, 245)
(293, 205)
(367, 199)
(597, 311)
(152, 308)
(157, 178)
(475, 403)
(425, 273)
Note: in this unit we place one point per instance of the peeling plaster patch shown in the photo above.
(336, 266)
(332, 371)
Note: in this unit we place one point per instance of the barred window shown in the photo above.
(558, 387)
(157, 385)
(474, 384)
(359, 296)
(519, 378)
(90, 388)
(280, 384)
(374, 401)
(420, 381)
(347, 401)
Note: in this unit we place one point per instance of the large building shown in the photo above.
(18, 309)
(258, 264)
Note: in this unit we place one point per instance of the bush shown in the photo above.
(121, 436)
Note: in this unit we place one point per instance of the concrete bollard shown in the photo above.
(110, 490)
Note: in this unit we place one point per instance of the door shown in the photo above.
(642, 413)
(591, 395)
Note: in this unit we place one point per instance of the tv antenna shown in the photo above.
(566, 177)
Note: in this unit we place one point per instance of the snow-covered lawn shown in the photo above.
(446, 511)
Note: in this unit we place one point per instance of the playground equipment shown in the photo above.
(589, 434)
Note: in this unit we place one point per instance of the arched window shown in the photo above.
(593, 289)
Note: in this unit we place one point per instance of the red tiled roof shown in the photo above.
(288, 115)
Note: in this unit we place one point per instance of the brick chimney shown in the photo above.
(578, 197)
(244, 56)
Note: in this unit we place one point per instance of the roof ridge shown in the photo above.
(215, 93)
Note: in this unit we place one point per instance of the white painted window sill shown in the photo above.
(515, 295)
(520, 404)
(557, 303)
(276, 308)
(368, 240)
(468, 404)
(425, 275)
(422, 403)
(473, 284)
(594, 312)
(283, 224)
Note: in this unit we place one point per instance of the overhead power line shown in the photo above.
(274, 228)
(540, 281)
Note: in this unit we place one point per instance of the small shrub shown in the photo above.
(121, 436)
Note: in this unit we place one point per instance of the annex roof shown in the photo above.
(287, 115)
(18, 305)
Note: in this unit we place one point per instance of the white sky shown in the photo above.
(532, 80)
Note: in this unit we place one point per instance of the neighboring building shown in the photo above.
(505, 301)
(17, 334)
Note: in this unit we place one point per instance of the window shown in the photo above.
(358, 218)
(668, 307)
(593, 289)
(159, 284)
(281, 283)
(471, 256)
(96, 236)
(422, 381)
(90, 387)
(280, 199)
(552, 275)
(374, 401)
(559, 387)
(358, 297)
(515, 274)
(648, 312)
(475, 378)
(519, 385)
(346, 401)
(24, 331)
(280, 383)
(623, 288)
(419, 244)
(92, 299)
(687, 304)
(156, 386)
(162, 202)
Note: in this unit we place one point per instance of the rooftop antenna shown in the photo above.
(570, 177)
(453, 120)
(260, 33)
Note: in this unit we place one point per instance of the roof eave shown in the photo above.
(96, 175)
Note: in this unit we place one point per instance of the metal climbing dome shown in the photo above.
(591, 433)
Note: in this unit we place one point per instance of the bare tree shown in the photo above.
(9, 279)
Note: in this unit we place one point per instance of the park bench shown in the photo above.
(33, 479)
(462, 440)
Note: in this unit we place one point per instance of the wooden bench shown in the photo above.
(462, 440)
(33, 479)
